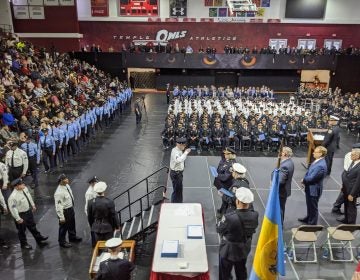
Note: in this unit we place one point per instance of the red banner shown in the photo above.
(100, 8)
(142, 8)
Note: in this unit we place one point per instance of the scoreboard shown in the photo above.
(138, 8)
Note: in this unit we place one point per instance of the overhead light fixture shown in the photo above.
(242, 6)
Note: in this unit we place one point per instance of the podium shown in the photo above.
(315, 137)
(128, 245)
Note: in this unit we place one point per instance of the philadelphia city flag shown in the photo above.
(269, 254)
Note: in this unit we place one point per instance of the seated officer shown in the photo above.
(217, 134)
(231, 136)
(193, 136)
(114, 267)
(168, 137)
(205, 135)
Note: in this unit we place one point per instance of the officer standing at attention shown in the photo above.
(17, 161)
(236, 230)
(48, 147)
(64, 205)
(101, 214)
(90, 195)
(177, 159)
(22, 206)
(33, 153)
(330, 141)
(114, 267)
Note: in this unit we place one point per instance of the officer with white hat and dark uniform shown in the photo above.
(236, 230)
(21, 207)
(64, 205)
(177, 159)
(331, 141)
(114, 268)
(102, 217)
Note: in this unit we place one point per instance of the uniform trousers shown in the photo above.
(33, 170)
(71, 145)
(226, 266)
(339, 201)
(48, 157)
(176, 179)
(29, 223)
(103, 236)
(68, 226)
(58, 155)
(329, 160)
(15, 172)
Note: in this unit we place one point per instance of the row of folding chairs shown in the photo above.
(340, 237)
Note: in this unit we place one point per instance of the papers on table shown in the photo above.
(319, 137)
(226, 192)
(213, 171)
(194, 232)
(170, 249)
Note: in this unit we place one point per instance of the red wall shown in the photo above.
(247, 34)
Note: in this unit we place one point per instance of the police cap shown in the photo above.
(181, 140)
(244, 195)
(16, 182)
(113, 243)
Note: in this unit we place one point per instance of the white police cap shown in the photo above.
(334, 118)
(237, 167)
(244, 195)
(100, 187)
(113, 242)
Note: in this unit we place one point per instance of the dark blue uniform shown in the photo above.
(115, 269)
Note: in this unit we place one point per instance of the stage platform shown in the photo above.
(198, 188)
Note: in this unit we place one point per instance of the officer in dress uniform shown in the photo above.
(236, 230)
(330, 141)
(101, 214)
(22, 206)
(177, 159)
(64, 206)
(90, 195)
(32, 151)
(17, 161)
(114, 268)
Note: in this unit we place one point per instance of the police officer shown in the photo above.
(138, 109)
(236, 230)
(22, 206)
(17, 161)
(48, 148)
(330, 141)
(114, 268)
(177, 159)
(64, 205)
(32, 151)
(90, 195)
(101, 214)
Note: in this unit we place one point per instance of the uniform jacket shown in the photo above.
(330, 140)
(224, 178)
(115, 269)
(314, 178)
(236, 229)
(351, 181)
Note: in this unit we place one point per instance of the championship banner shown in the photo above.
(178, 8)
(139, 8)
(36, 12)
(100, 8)
(51, 2)
(21, 12)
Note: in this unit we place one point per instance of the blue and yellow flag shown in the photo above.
(269, 254)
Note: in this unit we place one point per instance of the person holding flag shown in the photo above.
(269, 254)
(236, 230)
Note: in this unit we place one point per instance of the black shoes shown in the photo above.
(43, 238)
(303, 220)
(76, 239)
(65, 245)
(341, 220)
(337, 210)
(26, 246)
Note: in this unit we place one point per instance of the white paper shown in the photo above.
(170, 247)
(319, 137)
(195, 231)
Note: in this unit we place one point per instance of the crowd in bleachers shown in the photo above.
(55, 102)
(250, 118)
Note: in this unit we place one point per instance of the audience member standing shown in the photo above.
(177, 159)
(313, 182)
(236, 230)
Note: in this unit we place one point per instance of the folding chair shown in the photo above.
(342, 235)
(305, 234)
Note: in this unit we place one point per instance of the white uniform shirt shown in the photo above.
(4, 174)
(20, 159)
(89, 195)
(18, 202)
(2, 201)
(63, 200)
(177, 159)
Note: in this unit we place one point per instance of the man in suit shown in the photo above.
(351, 187)
(285, 177)
(313, 182)
(331, 141)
